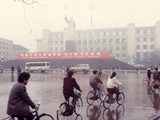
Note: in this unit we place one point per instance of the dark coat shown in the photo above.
(19, 101)
(69, 84)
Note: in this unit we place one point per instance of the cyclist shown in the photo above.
(95, 82)
(19, 70)
(156, 77)
(99, 72)
(19, 100)
(112, 84)
(69, 83)
(149, 76)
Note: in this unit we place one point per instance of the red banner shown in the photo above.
(68, 55)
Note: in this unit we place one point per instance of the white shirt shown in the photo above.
(113, 82)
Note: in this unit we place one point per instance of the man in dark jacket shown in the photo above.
(19, 100)
(69, 83)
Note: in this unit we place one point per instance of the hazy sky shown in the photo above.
(17, 20)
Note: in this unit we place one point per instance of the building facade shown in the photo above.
(125, 43)
(8, 50)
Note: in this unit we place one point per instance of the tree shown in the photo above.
(28, 2)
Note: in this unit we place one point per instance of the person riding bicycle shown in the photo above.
(156, 77)
(99, 70)
(69, 83)
(19, 102)
(149, 73)
(112, 84)
(95, 83)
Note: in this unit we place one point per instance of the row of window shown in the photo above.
(145, 31)
(138, 47)
(145, 39)
(140, 54)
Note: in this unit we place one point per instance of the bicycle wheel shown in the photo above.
(121, 98)
(144, 80)
(90, 98)
(106, 101)
(60, 111)
(78, 106)
(45, 117)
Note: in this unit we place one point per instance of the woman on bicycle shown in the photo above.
(69, 83)
(112, 84)
(19, 100)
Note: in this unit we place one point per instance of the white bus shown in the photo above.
(37, 66)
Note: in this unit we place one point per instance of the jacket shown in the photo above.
(113, 82)
(69, 84)
(94, 80)
(19, 101)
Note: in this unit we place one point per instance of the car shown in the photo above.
(85, 68)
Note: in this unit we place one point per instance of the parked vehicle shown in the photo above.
(1, 69)
(85, 68)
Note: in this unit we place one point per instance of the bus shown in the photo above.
(37, 66)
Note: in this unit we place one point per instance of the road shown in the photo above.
(46, 88)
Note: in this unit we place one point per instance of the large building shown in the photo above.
(8, 50)
(124, 43)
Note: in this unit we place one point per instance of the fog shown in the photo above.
(24, 23)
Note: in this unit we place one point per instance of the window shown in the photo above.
(90, 41)
(138, 39)
(152, 47)
(85, 42)
(145, 31)
(144, 46)
(117, 41)
(138, 47)
(138, 31)
(56, 42)
(152, 39)
(144, 39)
(117, 48)
(117, 55)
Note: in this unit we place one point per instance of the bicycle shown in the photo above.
(92, 95)
(110, 98)
(145, 80)
(76, 107)
(43, 116)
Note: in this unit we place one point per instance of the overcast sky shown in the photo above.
(24, 23)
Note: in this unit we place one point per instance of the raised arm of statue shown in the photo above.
(66, 19)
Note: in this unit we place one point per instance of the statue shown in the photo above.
(71, 23)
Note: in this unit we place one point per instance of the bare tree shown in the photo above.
(28, 2)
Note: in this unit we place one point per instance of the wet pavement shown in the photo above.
(46, 88)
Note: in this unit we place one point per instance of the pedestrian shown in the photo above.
(19, 102)
(12, 69)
